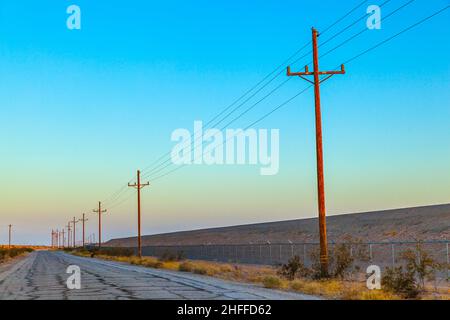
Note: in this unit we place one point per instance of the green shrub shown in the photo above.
(293, 268)
(343, 261)
(400, 281)
(421, 264)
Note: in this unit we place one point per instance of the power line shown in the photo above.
(346, 62)
(233, 120)
(117, 195)
(247, 127)
(365, 29)
(344, 16)
(349, 25)
(161, 166)
(397, 34)
(167, 162)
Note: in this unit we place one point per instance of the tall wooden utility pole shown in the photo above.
(74, 233)
(63, 238)
(138, 185)
(319, 152)
(99, 211)
(56, 238)
(83, 220)
(68, 235)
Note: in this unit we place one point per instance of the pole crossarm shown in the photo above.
(139, 186)
(308, 73)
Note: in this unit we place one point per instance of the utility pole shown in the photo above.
(138, 185)
(68, 235)
(53, 238)
(319, 152)
(83, 220)
(56, 238)
(99, 211)
(74, 233)
(63, 238)
(9, 236)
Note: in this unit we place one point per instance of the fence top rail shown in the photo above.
(298, 243)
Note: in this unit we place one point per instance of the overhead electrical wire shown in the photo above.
(118, 194)
(345, 62)
(290, 99)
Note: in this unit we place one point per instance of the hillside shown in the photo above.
(424, 223)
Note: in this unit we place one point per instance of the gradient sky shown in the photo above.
(82, 110)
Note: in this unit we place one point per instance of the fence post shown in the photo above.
(280, 252)
(270, 253)
(370, 252)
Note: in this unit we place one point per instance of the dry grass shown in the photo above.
(267, 276)
(13, 252)
(5, 246)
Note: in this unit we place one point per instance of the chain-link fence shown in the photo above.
(383, 254)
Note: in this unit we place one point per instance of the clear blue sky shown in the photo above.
(81, 110)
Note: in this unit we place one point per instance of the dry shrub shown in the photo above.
(186, 266)
(6, 253)
(271, 282)
(200, 270)
(409, 280)
(293, 268)
(401, 281)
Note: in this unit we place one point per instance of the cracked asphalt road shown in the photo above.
(42, 275)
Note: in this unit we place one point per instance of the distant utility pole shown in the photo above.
(9, 236)
(319, 152)
(83, 220)
(63, 238)
(53, 238)
(56, 238)
(74, 233)
(138, 185)
(99, 211)
(68, 235)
